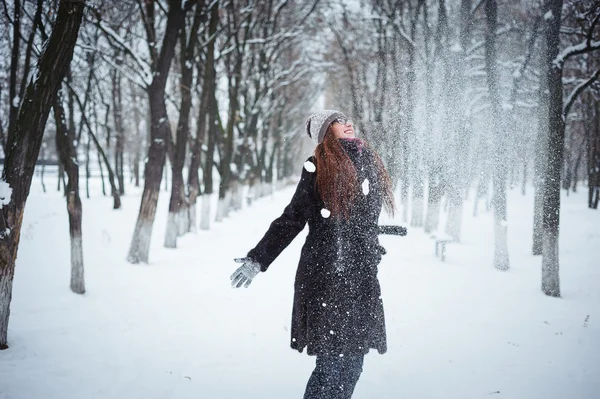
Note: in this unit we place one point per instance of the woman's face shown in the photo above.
(342, 128)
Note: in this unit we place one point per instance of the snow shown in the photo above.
(309, 166)
(175, 328)
(325, 213)
(548, 16)
(365, 187)
(5, 193)
(456, 48)
(576, 48)
(16, 101)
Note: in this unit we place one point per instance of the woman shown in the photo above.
(338, 311)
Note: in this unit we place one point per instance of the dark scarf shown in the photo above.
(354, 145)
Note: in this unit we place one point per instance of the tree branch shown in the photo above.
(144, 72)
(575, 93)
(584, 47)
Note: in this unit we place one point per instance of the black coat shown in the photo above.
(337, 300)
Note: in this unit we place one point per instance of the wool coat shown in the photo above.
(337, 307)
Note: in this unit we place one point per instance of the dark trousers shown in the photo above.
(334, 377)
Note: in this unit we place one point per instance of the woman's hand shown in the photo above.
(245, 273)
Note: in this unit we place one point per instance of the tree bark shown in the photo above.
(25, 140)
(541, 152)
(67, 152)
(209, 161)
(554, 160)
(224, 185)
(207, 85)
(593, 160)
(14, 69)
(178, 208)
(501, 261)
(138, 136)
(160, 131)
(118, 120)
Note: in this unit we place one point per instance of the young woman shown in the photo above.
(338, 311)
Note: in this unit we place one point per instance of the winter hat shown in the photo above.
(317, 124)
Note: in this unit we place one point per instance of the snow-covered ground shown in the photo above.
(175, 328)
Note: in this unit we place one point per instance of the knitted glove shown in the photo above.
(245, 273)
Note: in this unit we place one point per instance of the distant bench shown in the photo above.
(440, 244)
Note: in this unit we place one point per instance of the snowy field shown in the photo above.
(175, 328)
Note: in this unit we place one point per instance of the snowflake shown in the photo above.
(309, 166)
(325, 213)
(365, 187)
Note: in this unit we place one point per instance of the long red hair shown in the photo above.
(337, 183)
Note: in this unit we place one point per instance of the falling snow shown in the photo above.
(365, 187)
(309, 166)
(325, 213)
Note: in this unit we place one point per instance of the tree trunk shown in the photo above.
(43, 167)
(25, 141)
(88, 145)
(209, 162)
(137, 135)
(501, 261)
(101, 168)
(60, 176)
(67, 152)
(539, 167)
(118, 120)
(178, 208)
(160, 131)
(554, 161)
(224, 185)
(14, 69)
(436, 190)
(111, 175)
(207, 82)
(593, 160)
(576, 169)
(525, 176)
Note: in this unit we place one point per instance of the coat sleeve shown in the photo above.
(286, 227)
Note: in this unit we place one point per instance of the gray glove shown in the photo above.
(245, 273)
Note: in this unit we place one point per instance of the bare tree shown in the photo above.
(501, 261)
(65, 143)
(160, 129)
(24, 142)
(178, 208)
(558, 108)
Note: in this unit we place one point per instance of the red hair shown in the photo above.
(336, 177)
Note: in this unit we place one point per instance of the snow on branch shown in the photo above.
(144, 66)
(583, 47)
(577, 90)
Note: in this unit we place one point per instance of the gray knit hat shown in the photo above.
(317, 124)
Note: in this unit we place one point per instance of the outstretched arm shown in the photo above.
(286, 227)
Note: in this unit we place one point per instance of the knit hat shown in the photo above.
(317, 124)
